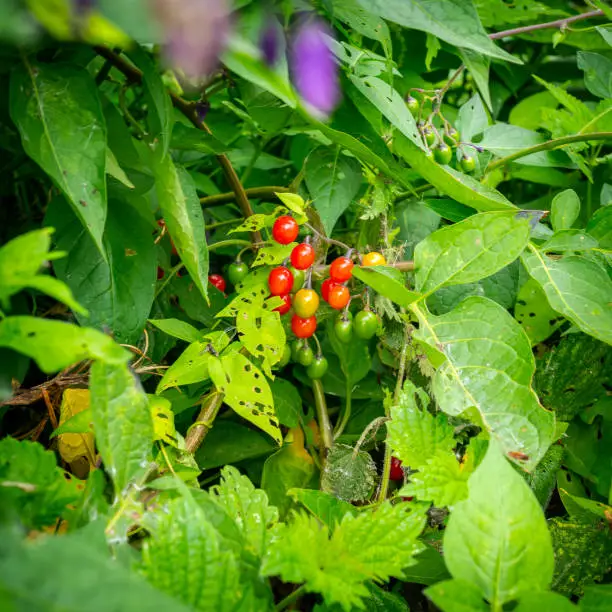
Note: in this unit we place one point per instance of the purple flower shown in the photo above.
(314, 68)
(196, 32)
(268, 42)
(202, 107)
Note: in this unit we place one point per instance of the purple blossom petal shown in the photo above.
(314, 68)
(196, 33)
(269, 43)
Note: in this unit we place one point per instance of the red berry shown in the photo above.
(285, 229)
(285, 307)
(280, 281)
(303, 328)
(396, 472)
(339, 296)
(302, 256)
(216, 280)
(341, 269)
(160, 273)
(407, 499)
(325, 287)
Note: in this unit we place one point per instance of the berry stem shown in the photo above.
(322, 418)
(346, 247)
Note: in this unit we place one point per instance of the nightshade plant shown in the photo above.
(306, 306)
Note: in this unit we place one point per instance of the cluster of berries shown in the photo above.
(286, 283)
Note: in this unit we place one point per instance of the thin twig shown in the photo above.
(559, 23)
(254, 192)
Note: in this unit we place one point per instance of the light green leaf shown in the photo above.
(470, 250)
(20, 262)
(246, 391)
(457, 596)
(576, 287)
(472, 119)
(273, 255)
(534, 313)
(545, 601)
(115, 170)
(527, 113)
(293, 202)
(457, 185)
(361, 20)
(564, 210)
(569, 240)
(33, 337)
(178, 329)
(600, 227)
(57, 109)
(597, 73)
(180, 206)
(384, 280)
(122, 422)
(369, 546)
(454, 21)
(416, 435)
(478, 66)
(118, 286)
(333, 180)
(192, 364)
(325, 506)
(489, 366)
(248, 506)
(349, 475)
(497, 539)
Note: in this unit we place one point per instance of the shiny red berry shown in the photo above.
(216, 280)
(160, 273)
(302, 256)
(303, 328)
(339, 296)
(325, 287)
(285, 307)
(285, 229)
(341, 269)
(396, 472)
(280, 281)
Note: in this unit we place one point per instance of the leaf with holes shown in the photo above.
(534, 313)
(246, 391)
(470, 250)
(75, 446)
(163, 420)
(273, 255)
(576, 287)
(488, 365)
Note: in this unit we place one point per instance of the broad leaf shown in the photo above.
(33, 337)
(497, 539)
(178, 329)
(287, 402)
(122, 422)
(349, 475)
(57, 110)
(534, 313)
(564, 210)
(488, 365)
(333, 180)
(597, 69)
(325, 506)
(182, 213)
(470, 250)
(576, 287)
(246, 391)
(117, 286)
(597, 598)
(457, 596)
(385, 281)
(545, 602)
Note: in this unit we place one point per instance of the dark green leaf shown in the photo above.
(597, 73)
(457, 596)
(349, 475)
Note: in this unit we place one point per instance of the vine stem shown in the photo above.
(559, 23)
(384, 483)
(203, 424)
(287, 601)
(189, 110)
(322, 417)
(254, 192)
(548, 145)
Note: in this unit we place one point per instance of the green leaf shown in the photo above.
(456, 185)
(287, 402)
(528, 112)
(478, 66)
(576, 287)
(497, 539)
(414, 434)
(597, 598)
(186, 138)
(544, 478)
(122, 422)
(600, 227)
(57, 109)
(116, 171)
(429, 566)
(32, 485)
(534, 313)
(488, 365)
(354, 356)
(74, 573)
(470, 250)
(373, 545)
(472, 118)
(180, 206)
(177, 329)
(192, 364)
(454, 21)
(564, 210)
(248, 506)
(20, 262)
(81, 422)
(384, 280)
(502, 139)
(545, 602)
(457, 596)
(246, 391)
(361, 20)
(569, 240)
(333, 180)
(389, 102)
(117, 287)
(273, 255)
(55, 345)
(185, 557)
(324, 506)
(597, 69)
(349, 475)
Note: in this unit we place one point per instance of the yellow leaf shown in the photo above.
(163, 421)
(74, 446)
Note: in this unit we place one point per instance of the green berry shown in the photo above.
(305, 356)
(412, 105)
(343, 328)
(317, 368)
(429, 135)
(284, 360)
(451, 137)
(468, 163)
(365, 324)
(443, 154)
(236, 272)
